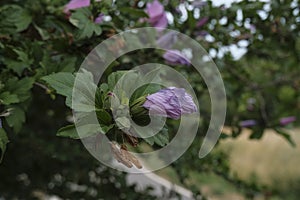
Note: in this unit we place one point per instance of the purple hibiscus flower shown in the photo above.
(99, 19)
(75, 4)
(176, 57)
(202, 22)
(171, 102)
(166, 41)
(248, 123)
(287, 120)
(157, 14)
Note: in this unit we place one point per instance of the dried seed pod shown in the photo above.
(133, 141)
(134, 160)
(130, 157)
(123, 156)
(119, 156)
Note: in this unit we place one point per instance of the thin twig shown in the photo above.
(42, 86)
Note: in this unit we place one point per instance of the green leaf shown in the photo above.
(20, 87)
(68, 131)
(152, 76)
(123, 122)
(22, 56)
(286, 94)
(16, 66)
(101, 95)
(113, 78)
(123, 83)
(7, 98)
(103, 117)
(81, 19)
(16, 118)
(68, 64)
(104, 87)
(133, 12)
(65, 63)
(286, 136)
(22, 62)
(14, 18)
(84, 91)
(43, 33)
(3, 142)
(161, 138)
(63, 83)
(86, 130)
(145, 90)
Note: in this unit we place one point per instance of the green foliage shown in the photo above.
(14, 19)
(63, 83)
(16, 118)
(88, 130)
(3, 142)
(21, 88)
(22, 62)
(41, 48)
(86, 28)
(161, 138)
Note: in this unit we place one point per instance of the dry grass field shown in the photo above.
(271, 160)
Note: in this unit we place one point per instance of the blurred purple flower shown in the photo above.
(287, 120)
(157, 14)
(248, 123)
(252, 28)
(202, 21)
(75, 4)
(99, 19)
(201, 33)
(199, 3)
(171, 102)
(176, 57)
(166, 41)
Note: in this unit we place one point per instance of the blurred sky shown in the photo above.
(226, 2)
(236, 51)
(229, 2)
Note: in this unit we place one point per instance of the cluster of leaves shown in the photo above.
(268, 70)
(110, 104)
(36, 40)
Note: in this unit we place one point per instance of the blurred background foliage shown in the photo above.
(255, 45)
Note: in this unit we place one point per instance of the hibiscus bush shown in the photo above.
(254, 44)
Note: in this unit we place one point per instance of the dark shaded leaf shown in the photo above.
(16, 118)
(63, 83)
(3, 142)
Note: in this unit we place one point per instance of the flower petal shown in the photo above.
(171, 102)
(75, 4)
(155, 10)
